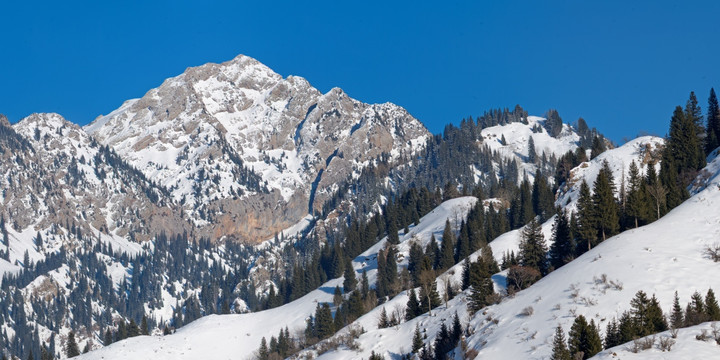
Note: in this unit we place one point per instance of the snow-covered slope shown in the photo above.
(685, 346)
(233, 140)
(517, 136)
(238, 336)
(643, 150)
(659, 259)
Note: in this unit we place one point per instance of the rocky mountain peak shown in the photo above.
(234, 141)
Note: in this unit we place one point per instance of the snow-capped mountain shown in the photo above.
(249, 153)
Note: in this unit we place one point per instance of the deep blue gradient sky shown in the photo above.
(622, 65)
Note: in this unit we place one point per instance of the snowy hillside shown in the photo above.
(238, 336)
(658, 258)
(517, 137)
(685, 346)
(642, 150)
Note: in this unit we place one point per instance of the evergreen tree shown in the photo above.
(383, 322)
(695, 311)
(542, 197)
(562, 250)
(586, 233)
(532, 156)
(337, 296)
(681, 157)
(533, 250)
(656, 319)
(598, 147)
(605, 206)
(712, 310)
(677, 320)
(462, 245)
(263, 352)
(324, 326)
(447, 258)
(350, 281)
(560, 350)
(713, 123)
(612, 334)
(584, 339)
(694, 115)
(365, 284)
(144, 330)
(637, 209)
(413, 306)
(417, 342)
(481, 285)
(71, 347)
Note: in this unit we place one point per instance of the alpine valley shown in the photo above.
(233, 213)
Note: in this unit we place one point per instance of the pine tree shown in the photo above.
(712, 310)
(532, 155)
(584, 339)
(71, 347)
(593, 340)
(605, 207)
(533, 250)
(577, 341)
(612, 334)
(560, 350)
(462, 245)
(383, 322)
(677, 320)
(586, 233)
(350, 281)
(695, 311)
(713, 123)
(417, 342)
(562, 249)
(413, 306)
(263, 352)
(637, 209)
(337, 296)
(144, 330)
(598, 147)
(656, 319)
(447, 258)
(365, 284)
(324, 326)
(542, 197)
(694, 115)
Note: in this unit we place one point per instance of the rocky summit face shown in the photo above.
(247, 153)
(55, 175)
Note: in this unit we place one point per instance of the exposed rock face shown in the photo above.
(54, 174)
(248, 153)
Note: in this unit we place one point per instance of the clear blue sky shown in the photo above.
(622, 65)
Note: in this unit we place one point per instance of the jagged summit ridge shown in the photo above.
(228, 139)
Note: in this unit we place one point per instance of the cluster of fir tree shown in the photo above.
(424, 265)
(644, 318)
(332, 260)
(530, 201)
(279, 347)
(686, 146)
(446, 339)
(696, 312)
(126, 330)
